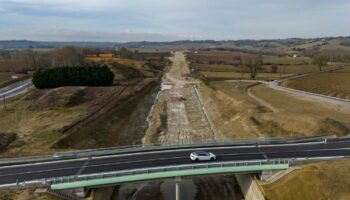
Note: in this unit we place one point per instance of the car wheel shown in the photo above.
(196, 160)
(212, 159)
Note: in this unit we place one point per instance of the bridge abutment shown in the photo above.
(249, 187)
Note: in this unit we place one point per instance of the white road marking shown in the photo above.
(172, 158)
(168, 151)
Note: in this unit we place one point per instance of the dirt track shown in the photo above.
(178, 115)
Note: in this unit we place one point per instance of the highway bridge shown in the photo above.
(96, 168)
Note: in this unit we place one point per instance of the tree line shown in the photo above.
(65, 56)
(82, 75)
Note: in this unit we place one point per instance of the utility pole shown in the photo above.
(4, 99)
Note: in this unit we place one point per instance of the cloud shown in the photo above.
(232, 19)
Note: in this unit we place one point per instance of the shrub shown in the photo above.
(86, 75)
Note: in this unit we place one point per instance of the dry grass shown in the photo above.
(5, 77)
(24, 195)
(336, 83)
(287, 60)
(230, 108)
(305, 117)
(238, 115)
(324, 180)
(123, 123)
(37, 130)
(11, 64)
(123, 62)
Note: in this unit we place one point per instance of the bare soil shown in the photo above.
(236, 114)
(178, 115)
(121, 122)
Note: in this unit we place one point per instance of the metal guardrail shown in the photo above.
(154, 147)
(279, 85)
(157, 147)
(14, 85)
(69, 179)
(14, 88)
(313, 94)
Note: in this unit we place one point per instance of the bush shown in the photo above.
(88, 75)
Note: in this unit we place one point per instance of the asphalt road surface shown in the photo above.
(15, 89)
(25, 172)
(319, 97)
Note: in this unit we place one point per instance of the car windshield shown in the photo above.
(201, 153)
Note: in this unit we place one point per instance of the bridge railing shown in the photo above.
(152, 147)
(113, 174)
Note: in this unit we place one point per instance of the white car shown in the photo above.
(202, 156)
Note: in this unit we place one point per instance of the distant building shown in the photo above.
(14, 77)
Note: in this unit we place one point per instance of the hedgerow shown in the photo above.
(86, 75)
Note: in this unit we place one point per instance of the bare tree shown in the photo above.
(67, 56)
(274, 69)
(254, 64)
(31, 58)
(320, 61)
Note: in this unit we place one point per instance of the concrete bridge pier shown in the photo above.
(177, 188)
(249, 187)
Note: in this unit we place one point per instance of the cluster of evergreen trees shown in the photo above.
(85, 75)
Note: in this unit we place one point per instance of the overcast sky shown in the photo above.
(162, 20)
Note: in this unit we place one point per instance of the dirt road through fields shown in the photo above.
(178, 115)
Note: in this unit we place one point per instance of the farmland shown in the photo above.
(227, 108)
(237, 75)
(215, 64)
(13, 64)
(335, 83)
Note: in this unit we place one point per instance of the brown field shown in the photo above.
(263, 112)
(336, 83)
(5, 77)
(214, 56)
(324, 180)
(228, 65)
(135, 65)
(12, 64)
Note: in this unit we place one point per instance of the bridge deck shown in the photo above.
(169, 174)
